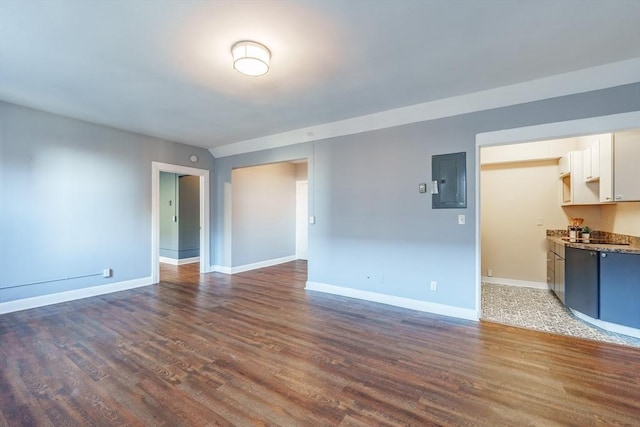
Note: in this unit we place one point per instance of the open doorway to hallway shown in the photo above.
(269, 211)
(200, 224)
(179, 219)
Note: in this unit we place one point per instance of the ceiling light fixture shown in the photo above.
(250, 58)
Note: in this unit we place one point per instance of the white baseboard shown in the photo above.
(429, 307)
(515, 282)
(43, 300)
(607, 326)
(182, 261)
(220, 269)
(253, 266)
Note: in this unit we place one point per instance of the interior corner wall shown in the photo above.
(374, 231)
(76, 199)
(514, 197)
(263, 213)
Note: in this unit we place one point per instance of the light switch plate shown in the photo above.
(422, 187)
(461, 219)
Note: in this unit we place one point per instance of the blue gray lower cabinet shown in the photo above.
(582, 281)
(620, 288)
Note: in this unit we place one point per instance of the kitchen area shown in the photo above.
(560, 235)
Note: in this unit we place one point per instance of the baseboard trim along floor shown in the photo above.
(43, 300)
(252, 266)
(425, 306)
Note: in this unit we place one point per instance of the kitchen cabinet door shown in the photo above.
(551, 276)
(581, 281)
(591, 162)
(606, 169)
(620, 288)
(564, 165)
(626, 172)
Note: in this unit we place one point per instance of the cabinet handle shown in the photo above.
(603, 255)
(607, 198)
(618, 197)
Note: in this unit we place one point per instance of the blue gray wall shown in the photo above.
(374, 231)
(75, 199)
(263, 213)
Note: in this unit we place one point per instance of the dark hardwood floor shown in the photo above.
(256, 349)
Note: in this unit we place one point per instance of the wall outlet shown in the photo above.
(490, 272)
(434, 285)
(312, 220)
(106, 272)
(461, 219)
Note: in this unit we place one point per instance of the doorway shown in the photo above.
(204, 222)
(268, 218)
(549, 131)
(179, 219)
(521, 174)
(302, 221)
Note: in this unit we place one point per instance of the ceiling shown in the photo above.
(163, 68)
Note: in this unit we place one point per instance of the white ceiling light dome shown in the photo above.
(251, 58)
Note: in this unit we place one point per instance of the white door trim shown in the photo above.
(156, 168)
(547, 131)
(302, 222)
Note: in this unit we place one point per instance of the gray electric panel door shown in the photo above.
(449, 176)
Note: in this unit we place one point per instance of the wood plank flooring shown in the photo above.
(256, 349)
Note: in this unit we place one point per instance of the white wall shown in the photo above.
(528, 151)
(621, 218)
(514, 196)
(263, 213)
(302, 171)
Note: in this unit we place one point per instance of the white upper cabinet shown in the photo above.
(575, 191)
(606, 169)
(626, 166)
(591, 162)
(564, 165)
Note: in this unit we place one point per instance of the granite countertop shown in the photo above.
(600, 247)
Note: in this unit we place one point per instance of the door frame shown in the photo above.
(203, 174)
(306, 219)
(543, 132)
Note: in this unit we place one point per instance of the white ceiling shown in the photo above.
(163, 68)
